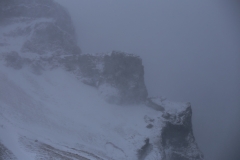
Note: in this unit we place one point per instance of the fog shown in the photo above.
(190, 50)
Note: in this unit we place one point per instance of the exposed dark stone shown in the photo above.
(149, 126)
(14, 60)
(145, 150)
(6, 154)
(119, 70)
(177, 137)
(147, 119)
(126, 73)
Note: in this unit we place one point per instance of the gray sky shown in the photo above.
(190, 50)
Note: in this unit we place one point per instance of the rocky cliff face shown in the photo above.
(177, 139)
(34, 31)
(118, 76)
(38, 34)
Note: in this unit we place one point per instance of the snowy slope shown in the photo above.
(57, 103)
(57, 109)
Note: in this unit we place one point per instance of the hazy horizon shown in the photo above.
(190, 51)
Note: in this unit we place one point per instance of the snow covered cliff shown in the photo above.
(57, 103)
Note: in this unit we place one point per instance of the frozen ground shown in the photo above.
(55, 115)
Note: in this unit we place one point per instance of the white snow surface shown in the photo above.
(169, 106)
(57, 109)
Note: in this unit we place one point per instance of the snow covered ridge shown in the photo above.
(55, 115)
(57, 103)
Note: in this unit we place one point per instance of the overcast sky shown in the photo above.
(190, 50)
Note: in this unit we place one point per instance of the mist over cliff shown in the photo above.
(57, 102)
(190, 52)
(186, 51)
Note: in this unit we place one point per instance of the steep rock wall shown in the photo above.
(177, 141)
(118, 76)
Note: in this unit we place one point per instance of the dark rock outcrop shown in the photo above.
(126, 73)
(6, 154)
(177, 139)
(145, 150)
(118, 76)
